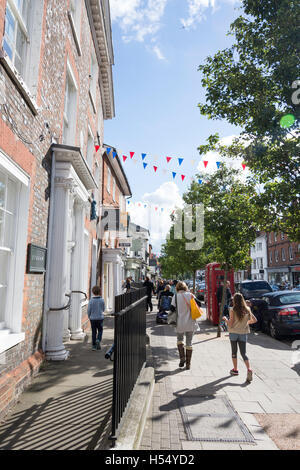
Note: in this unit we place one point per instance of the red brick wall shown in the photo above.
(19, 363)
(279, 244)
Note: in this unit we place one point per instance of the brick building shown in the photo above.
(56, 91)
(283, 259)
(113, 227)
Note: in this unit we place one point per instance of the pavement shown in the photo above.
(207, 409)
(68, 405)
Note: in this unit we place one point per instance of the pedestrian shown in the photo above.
(165, 299)
(95, 313)
(238, 326)
(150, 289)
(127, 285)
(160, 288)
(186, 326)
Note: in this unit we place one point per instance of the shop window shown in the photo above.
(291, 254)
(276, 256)
(271, 257)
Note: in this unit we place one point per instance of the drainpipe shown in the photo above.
(49, 244)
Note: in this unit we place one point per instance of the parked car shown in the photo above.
(297, 287)
(278, 313)
(254, 289)
(200, 291)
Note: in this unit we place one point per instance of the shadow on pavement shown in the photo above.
(73, 421)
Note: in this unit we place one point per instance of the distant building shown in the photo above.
(259, 256)
(137, 261)
(283, 259)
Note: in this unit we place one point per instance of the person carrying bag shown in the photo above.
(185, 324)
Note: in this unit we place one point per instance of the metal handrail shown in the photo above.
(66, 307)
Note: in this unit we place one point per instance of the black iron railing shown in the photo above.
(129, 351)
(125, 300)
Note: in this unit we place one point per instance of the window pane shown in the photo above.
(2, 190)
(11, 196)
(4, 273)
(8, 49)
(10, 25)
(20, 50)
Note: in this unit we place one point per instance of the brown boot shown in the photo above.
(181, 354)
(188, 358)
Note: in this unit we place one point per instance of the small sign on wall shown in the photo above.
(36, 259)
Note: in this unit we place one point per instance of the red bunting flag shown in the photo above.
(155, 168)
(169, 159)
(156, 208)
(182, 177)
(244, 166)
(131, 154)
(124, 158)
(205, 164)
(97, 148)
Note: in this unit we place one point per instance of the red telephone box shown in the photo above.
(213, 277)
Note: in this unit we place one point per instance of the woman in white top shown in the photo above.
(185, 324)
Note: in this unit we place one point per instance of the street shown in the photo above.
(273, 393)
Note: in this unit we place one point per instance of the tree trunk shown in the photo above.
(194, 282)
(222, 302)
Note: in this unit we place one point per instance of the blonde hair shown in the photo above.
(181, 286)
(239, 305)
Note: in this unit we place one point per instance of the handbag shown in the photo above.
(196, 312)
(172, 316)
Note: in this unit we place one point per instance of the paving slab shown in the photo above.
(209, 375)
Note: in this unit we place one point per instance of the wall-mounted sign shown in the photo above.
(36, 259)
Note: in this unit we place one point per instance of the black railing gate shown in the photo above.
(129, 351)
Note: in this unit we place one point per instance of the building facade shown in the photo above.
(137, 262)
(113, 227)
(259, 256)
(56, 91)
(284, 259)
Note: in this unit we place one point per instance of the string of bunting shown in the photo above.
(146, 165)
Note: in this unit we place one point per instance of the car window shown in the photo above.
(256, 286)
(289, 299)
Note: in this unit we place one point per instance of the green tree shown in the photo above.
(229, 218)
(178, 260)
(252, 85)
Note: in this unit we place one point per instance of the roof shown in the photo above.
(280, 292)
(118, 169)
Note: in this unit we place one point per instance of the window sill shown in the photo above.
(10, 340)
(19, 82)
(75, 35)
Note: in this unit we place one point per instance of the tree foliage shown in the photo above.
(252, 85)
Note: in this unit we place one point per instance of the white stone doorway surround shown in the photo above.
(69, 205)
(113, 268)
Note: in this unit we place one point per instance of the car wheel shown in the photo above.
(273, 331)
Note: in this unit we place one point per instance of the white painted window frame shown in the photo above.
(108, 179)
(14, 303)
(90, 148)
(70, 107)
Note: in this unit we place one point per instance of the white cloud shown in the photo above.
(197, 8)
(158, 53)
(166, 197)
(138, 18)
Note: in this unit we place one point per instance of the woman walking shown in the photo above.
(238, 326)
(185, 324)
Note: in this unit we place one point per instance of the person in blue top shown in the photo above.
(95, 312)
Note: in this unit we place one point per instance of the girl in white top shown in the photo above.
(238, 326)
(185, 324)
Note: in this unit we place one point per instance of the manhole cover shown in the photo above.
(212, 419)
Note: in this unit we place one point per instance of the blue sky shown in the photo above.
(158, 46)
